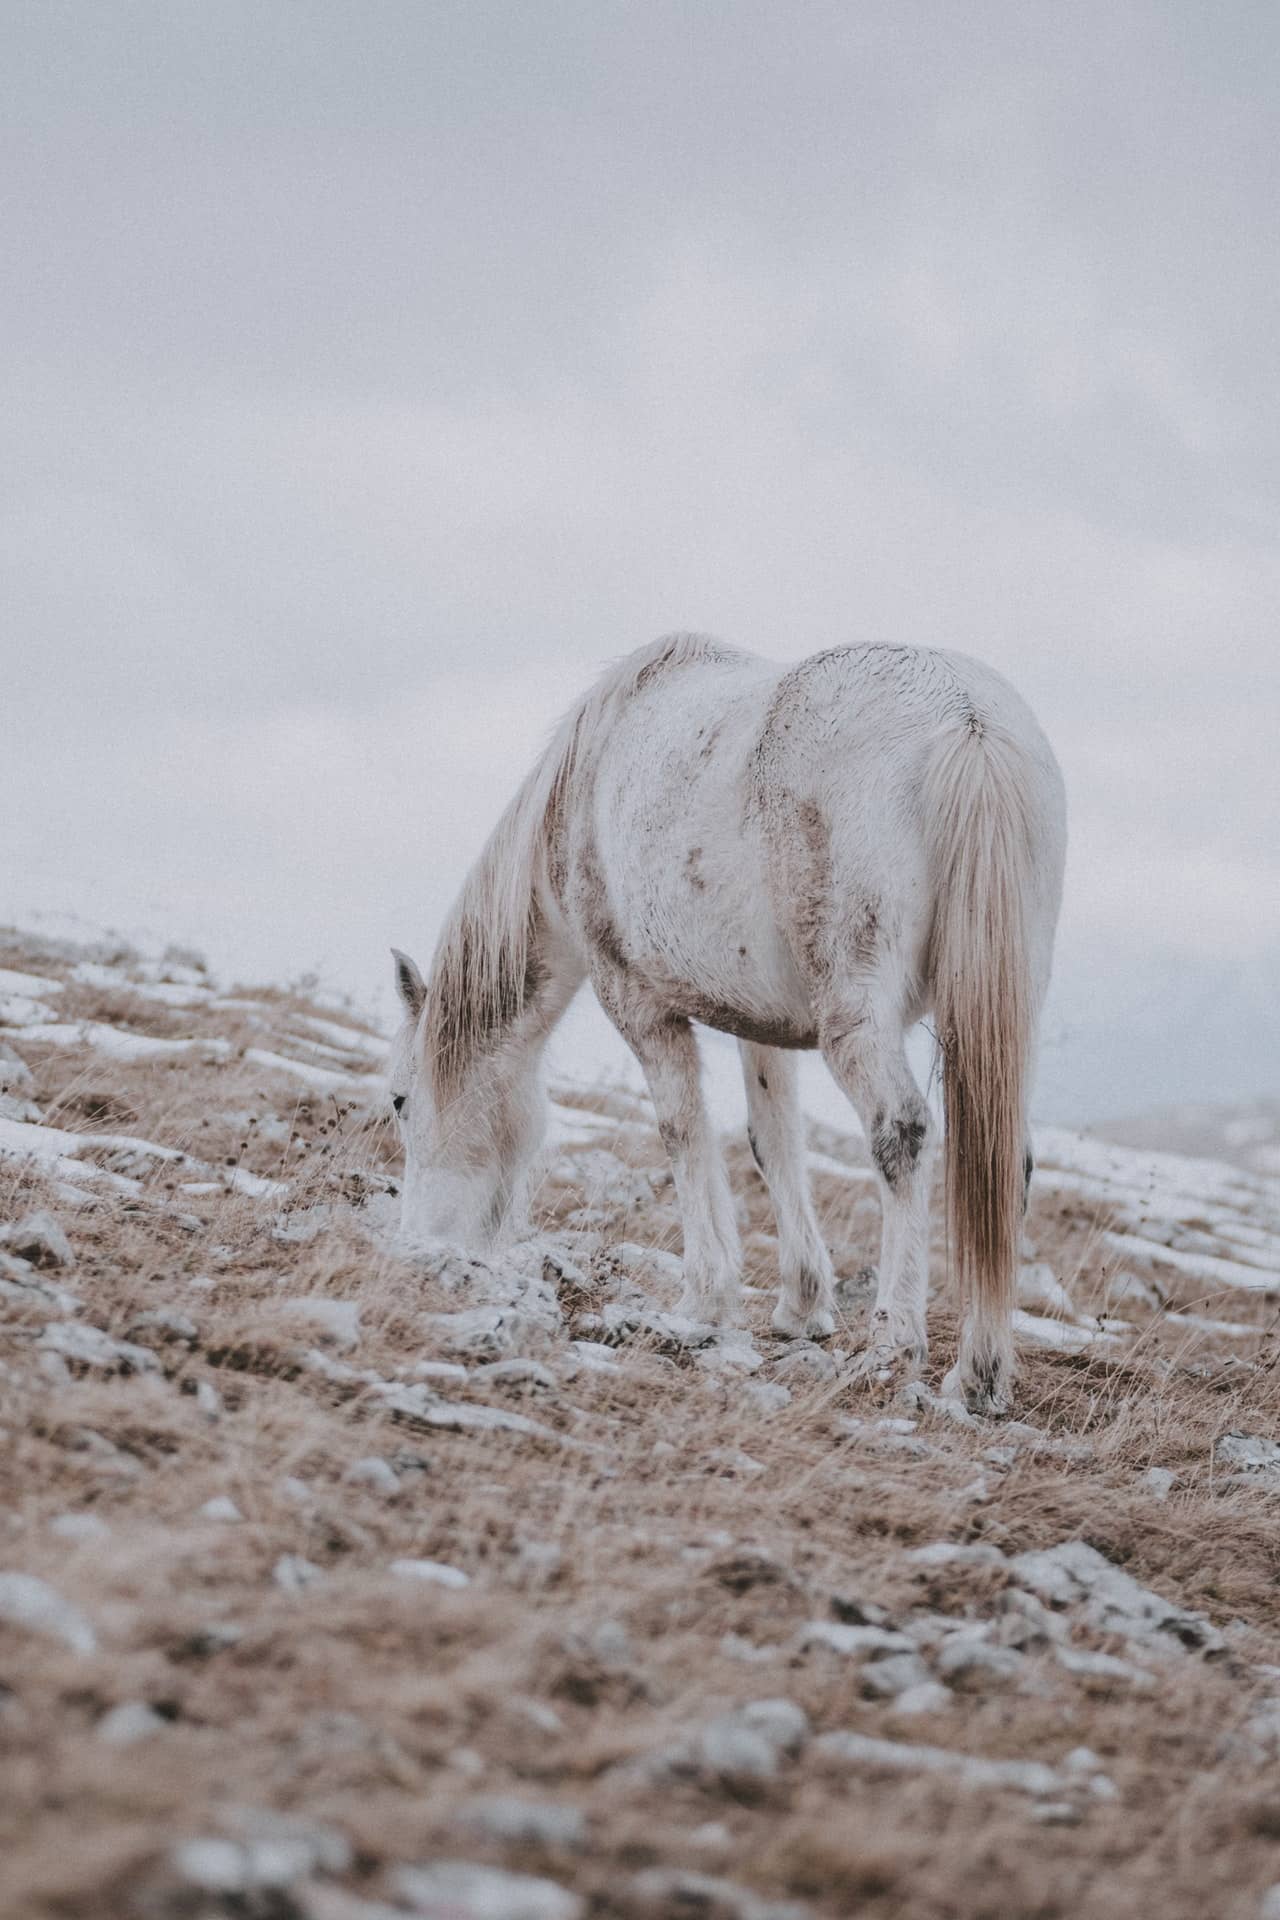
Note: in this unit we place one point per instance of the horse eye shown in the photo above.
(397, 1101)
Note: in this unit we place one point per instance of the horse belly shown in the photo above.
(688, 871)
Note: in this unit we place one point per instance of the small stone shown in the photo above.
(1250, 1452)
(216, 1866)
(79, 1527)
(537, 1562)
(294, 1492)
(447, 1372)
(434, 1572)
(538, 1714)
(90, 1347)
(507, 1818)
(340, 1319)
(208, 1399)
(463, 1890)
(221, 1507)
(273, 1850)
(804, 1366)
(130, 1722)
(294, 1574)
(1056, 1813)
(1270, 1908)
(732, 1463)
(974, 1664)
(1026, 1623)
(36, 1607)
(375, 1473)
(516, 1372)
(38, 1238)
(1160, 1482)
(749, 1743)
(855, 1642)
(661, 1893)
(896, 1673)
(949, 1553)
(765, 1396)
(165, 1320)
(928, 1697)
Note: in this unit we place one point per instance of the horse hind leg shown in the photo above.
(867, 1059)
(805, 1308)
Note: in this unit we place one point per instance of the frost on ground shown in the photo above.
(338, 1586)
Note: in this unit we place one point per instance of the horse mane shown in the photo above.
(486, 968)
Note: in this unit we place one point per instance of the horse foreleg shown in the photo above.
(870, 1065)
(776, 1132)
(668, 1053)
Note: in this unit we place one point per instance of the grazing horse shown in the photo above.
(814, 855)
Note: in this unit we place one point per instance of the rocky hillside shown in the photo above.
(339, 1587)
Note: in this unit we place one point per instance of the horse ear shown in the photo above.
(409, 983)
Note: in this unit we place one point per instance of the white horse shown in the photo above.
(807, 856)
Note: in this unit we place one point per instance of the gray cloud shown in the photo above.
(372, 373)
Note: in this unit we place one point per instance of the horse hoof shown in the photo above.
(991, 1396)
(715, 1310)
(820, 1324)
(884, 1365)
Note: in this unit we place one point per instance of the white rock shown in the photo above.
(765, 1397)
(33, 1605)
(975, 1664)
(1249, 1452)
(972, 1770)
(1160, 1482)
(1270, 1908)
(660, 1893)
(595, 1356)
(855, 1642)
(729, 1356)
(38, 1238)
(165, 1320)
(750, 1742)
(221, 1507)
(462, 1890)
(293, 1573)
(303, 1225)
(80, 1527)
(896, 1673)
(91, 1347)
(1104, 1667)
(420, 1405)
(1039, 1286)
(373, 1471)
(804, 1366)
(516, 1372)
(951, 1553)
(928, 1697)
(506, 1817)
(340, 1319)
(537, 1562)
(1110, 1600)
(434, 1572)
(275, 1850)
(130, 1722)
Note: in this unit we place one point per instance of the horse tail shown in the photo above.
(981, 814)
(486, 969)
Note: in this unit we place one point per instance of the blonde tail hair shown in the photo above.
(979, 810)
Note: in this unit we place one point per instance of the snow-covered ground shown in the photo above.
(350, 1585)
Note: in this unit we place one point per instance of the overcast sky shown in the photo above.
(373, 373)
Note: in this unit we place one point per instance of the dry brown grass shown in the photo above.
(381, 1706)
